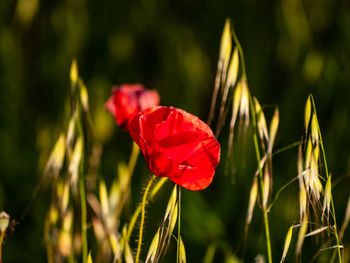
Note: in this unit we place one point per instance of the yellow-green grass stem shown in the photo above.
(144, 201)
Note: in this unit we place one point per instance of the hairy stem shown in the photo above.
(137, 212)
(144, 200)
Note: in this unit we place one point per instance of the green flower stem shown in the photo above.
(137, 212)
(144, 201)
(327, 174)
(178, 225)
(83, 219)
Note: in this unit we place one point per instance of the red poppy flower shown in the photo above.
(129, 99)
(176, 145)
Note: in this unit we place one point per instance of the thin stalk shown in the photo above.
(178, 225)
(83, 219)
(327, 175)
(261, 180)
(144, 200)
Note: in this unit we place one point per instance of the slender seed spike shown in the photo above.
(244, 107)
(84, 97)
(301, 235)
(314, 129)
(224, 56)
(128, 254)
(104, 198)
(302, 201)
(300, 161)
(173, 219)
(73, 167)
(252, 200)
(225, 47)
(314, 182)
(70, 134)
(273, 129)
(152, 252)
(171, 203)
(89, 258)
(308, 154)
(327, 196)
(56, 158)
(74, 72)
(300, 166)
(233, 69)
(230, 82)
(182, 251)
(235, 106)
(113, 241)
(307, 114)
(267, 183)
(287, 243)
(261, 121)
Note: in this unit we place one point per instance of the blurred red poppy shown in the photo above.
(129, 99)
(177, 145)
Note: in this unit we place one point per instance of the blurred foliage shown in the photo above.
(292, 48)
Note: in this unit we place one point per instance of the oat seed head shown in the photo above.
(273, 129)
(152, 252)
(252, 199)
(307, 114)
(287, 241)
(301, 235)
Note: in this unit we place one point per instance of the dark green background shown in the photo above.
(291, 47)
